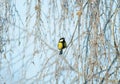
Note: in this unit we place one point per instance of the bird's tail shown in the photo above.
(61, 51)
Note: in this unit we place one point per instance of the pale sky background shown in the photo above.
(25, 56)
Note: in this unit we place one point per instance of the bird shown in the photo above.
(61, 45)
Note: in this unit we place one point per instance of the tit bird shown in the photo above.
(61, 45)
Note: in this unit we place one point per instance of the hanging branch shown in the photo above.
(114, 60)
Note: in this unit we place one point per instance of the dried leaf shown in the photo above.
(79, 13)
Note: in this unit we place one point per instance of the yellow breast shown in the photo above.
(60, 46)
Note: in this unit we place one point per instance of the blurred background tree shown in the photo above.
(31, 29)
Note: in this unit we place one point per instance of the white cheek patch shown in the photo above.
(61, 40)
